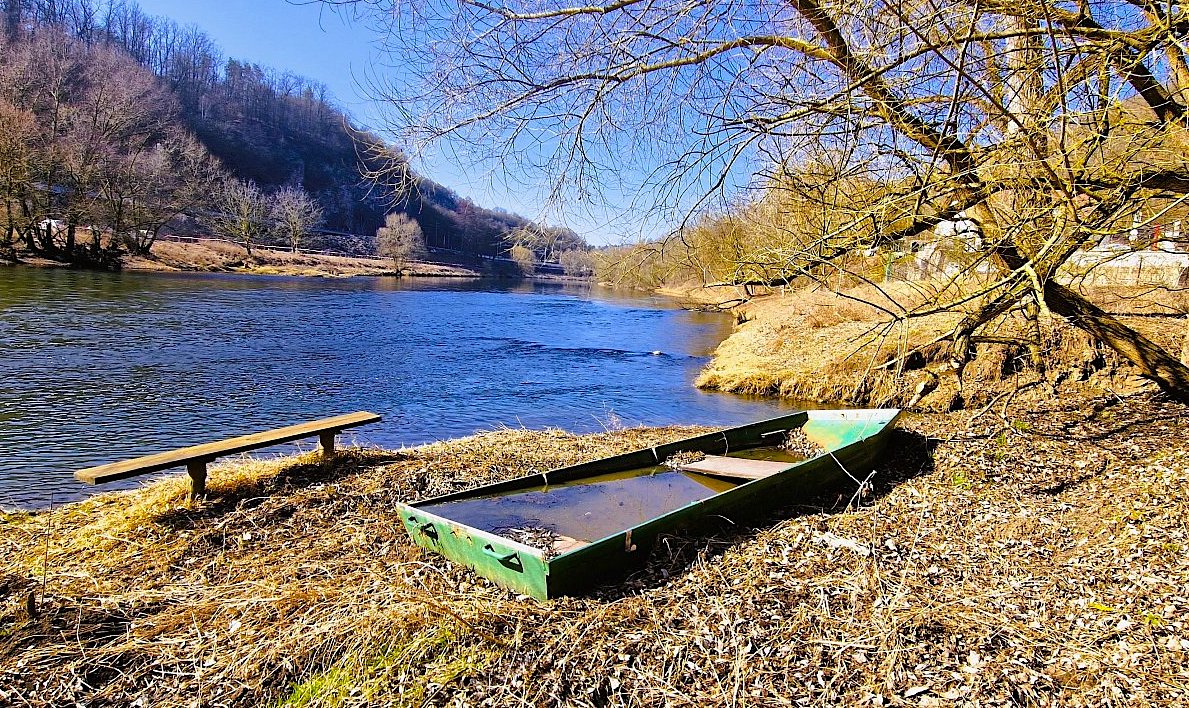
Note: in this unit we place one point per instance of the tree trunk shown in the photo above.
(1152, 361)
(146, 239)
(1185, 346)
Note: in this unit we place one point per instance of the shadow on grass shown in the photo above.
(223, 498)
(909, 455)
(57, 625)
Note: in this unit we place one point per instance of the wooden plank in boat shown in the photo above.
(736, 467)
(565, 544)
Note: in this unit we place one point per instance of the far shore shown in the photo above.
(221, 257)
(215, 256)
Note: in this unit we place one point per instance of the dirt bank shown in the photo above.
(218, 256)
(813, 344)
(1004, 558)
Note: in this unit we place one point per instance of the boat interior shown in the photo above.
(562, 517)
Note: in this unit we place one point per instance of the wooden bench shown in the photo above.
(197, 457)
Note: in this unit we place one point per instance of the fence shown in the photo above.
(1106, 266)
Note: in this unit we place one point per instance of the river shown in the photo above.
(99, 367)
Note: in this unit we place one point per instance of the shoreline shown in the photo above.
(996, 559)
(219, 257)
(812, 344)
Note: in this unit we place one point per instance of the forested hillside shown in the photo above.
(116, 122)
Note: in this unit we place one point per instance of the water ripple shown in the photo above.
(100, 367)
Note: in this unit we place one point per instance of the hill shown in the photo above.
(270, 127)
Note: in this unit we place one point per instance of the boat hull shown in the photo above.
(853, 439)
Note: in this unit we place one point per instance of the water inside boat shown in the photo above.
(592, 508)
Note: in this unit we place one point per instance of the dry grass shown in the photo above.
(1004, 559)
(821, 347)
(816, 345)
(1141, 300)
(218, 256)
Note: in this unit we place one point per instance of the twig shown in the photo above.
(998, 398)
(863, 485)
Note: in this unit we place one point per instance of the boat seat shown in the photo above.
(735, 467)
(565, 544)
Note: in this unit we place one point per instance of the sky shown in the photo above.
(304, 39)
(312, 41)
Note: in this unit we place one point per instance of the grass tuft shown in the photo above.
(816, 345)
(975, 573)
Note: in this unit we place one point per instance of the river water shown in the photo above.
(99, 367)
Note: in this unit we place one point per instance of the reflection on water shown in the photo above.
(100, 367)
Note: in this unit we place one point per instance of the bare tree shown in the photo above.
(577, 263)
(240, 213)
(294, 214)
(130, 163)
(92, 145)
(43, 78)
(145, 192)
(1048, 124)
(400, 239)
(17, 128)
(525, 259)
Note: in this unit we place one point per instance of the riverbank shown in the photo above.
(220, 257)
(813, 344)
(1014, 556)
(217, 256)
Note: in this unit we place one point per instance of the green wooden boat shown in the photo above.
(564, 531)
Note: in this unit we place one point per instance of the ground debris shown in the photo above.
(798, 443)
(1011, 557)
(685, 457)
(539, 537)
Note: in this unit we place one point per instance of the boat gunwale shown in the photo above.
(485, 535)
(516, 482)
(809, 415)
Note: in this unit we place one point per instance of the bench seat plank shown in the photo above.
(209, 451)
(735, 467)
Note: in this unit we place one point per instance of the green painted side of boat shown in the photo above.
(853, 439)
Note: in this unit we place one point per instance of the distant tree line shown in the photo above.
(92, 156)
(184, 123)
(204, 82)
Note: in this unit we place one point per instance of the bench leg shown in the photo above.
(197, 472)
(326, 439)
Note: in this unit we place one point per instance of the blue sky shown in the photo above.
(315, 42)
